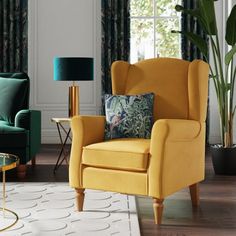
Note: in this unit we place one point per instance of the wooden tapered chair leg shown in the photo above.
(79, 198)
(194, 193)
(158, 209)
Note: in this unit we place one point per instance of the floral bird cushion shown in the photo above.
(129, 116)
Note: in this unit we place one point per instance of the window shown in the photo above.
(151, 25)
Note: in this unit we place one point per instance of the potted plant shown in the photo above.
(223, 73)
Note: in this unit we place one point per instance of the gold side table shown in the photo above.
(63, 155)
(7, 162)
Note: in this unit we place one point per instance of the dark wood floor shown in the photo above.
(216, 215)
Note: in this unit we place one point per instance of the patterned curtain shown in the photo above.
(115, 37)
(13, 35)
(189, 51)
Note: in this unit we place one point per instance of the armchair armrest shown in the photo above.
(85, 130)
(177, 155)
(31, 121)
(177, 129)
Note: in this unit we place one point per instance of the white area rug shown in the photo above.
(49, 209)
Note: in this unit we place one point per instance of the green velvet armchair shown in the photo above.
(20, 128)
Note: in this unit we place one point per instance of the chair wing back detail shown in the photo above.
(180, 86)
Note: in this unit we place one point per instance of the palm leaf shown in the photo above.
(207, 12)
(230, 35)
(197, 40)
(229, 56)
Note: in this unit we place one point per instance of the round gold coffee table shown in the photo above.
(7, 162)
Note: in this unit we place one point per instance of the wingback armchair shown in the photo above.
(20, 128)
(172, 159)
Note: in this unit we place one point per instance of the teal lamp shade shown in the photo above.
(73, 68)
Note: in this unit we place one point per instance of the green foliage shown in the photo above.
(223, 77)
(141, 7)
(208, 18)
(198, 41)
(167, 44)
(230, 36)
(166, 7)
(142, 30)
(229, 56)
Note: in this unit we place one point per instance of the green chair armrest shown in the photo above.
(31, 121)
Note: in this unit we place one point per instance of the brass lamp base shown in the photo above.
(73, 101)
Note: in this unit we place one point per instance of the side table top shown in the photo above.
(60, 120)
(8, 161)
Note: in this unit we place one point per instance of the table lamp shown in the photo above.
(73, 69)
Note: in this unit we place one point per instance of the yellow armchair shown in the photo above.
(174, 156)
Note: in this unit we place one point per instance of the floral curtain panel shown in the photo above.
(189, 51)
(115, 37)
(13, 35)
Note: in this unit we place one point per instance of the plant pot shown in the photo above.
(223, 159)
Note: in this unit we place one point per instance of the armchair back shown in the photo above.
(180, 87)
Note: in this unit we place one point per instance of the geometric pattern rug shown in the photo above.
(48, 209)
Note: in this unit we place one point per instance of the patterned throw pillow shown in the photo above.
(129, 116)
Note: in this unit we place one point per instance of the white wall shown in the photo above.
(62, 28)
(222, 10)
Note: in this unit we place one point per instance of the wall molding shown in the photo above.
(53, 109)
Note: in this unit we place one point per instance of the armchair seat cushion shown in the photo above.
(14, 137)
(124, 154)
